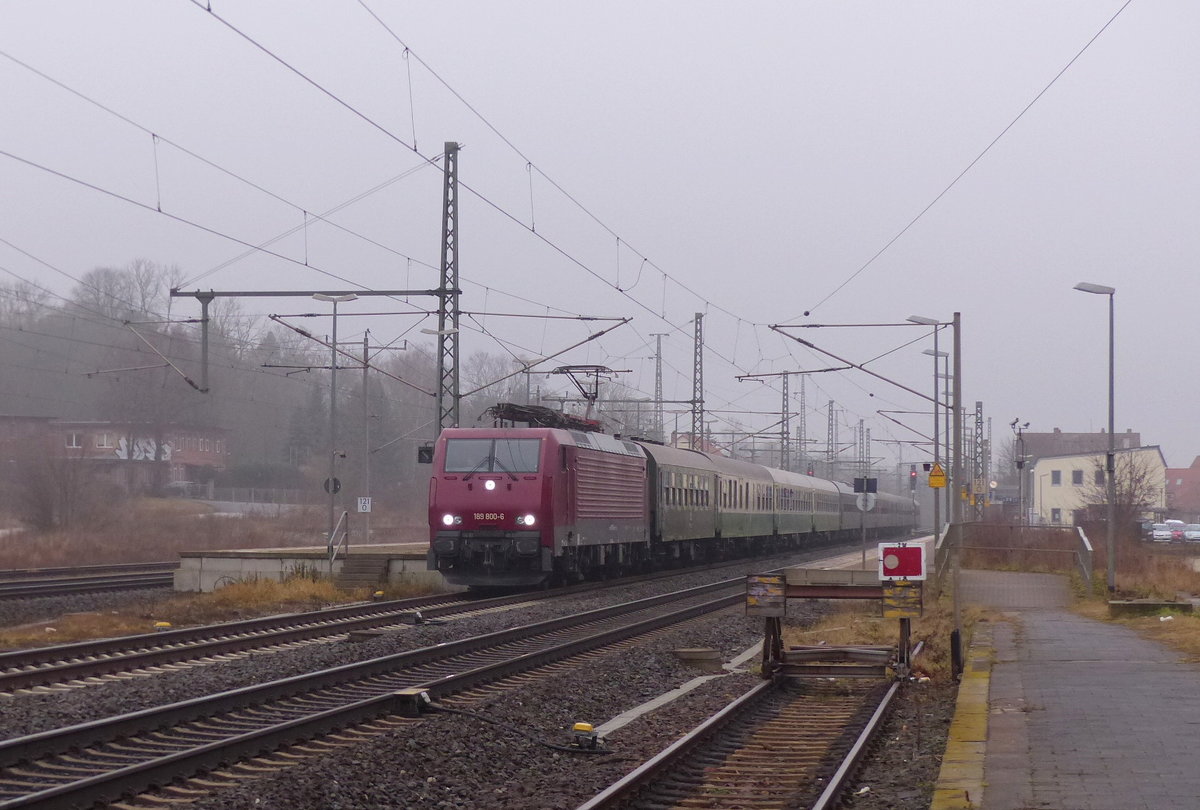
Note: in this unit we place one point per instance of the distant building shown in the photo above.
(140, 457)
(1183, 492)
(1032, 446)
(1058, 443)
(1058, 487)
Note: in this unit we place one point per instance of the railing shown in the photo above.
(334, 545)
(260, 495)
(1084, 556)
(942, 557)
(988, 545)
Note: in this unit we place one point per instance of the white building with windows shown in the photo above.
(1059, 488)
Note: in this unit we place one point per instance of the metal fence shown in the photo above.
(260, 495)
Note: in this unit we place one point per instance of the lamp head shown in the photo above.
(1097, 289)
(921, 319)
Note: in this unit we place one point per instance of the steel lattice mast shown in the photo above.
(658, 388)
(698, 384)
(448, 334)
(785, 426)
(831, 444)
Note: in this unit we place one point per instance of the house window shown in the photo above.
(1099, 478)
(75, 440)
(1077, 478)
(1056, 478)
(1056, 516)
(104, 441)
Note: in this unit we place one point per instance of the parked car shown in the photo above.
(182, 489)
(1192, 532)
(1161, 533)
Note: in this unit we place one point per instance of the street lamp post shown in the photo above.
(1110, 459)
(937, 406)
(332, 482)
(947, 397)
(954, 503)
(1019, 429)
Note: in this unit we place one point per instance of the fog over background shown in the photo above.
(860, 162)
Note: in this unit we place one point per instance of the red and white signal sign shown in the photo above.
(901, 561)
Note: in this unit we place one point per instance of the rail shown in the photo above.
(208, 732)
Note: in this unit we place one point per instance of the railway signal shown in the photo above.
(901, 561)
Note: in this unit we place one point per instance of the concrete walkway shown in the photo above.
(1080, 714)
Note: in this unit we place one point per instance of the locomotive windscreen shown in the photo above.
(493, 455)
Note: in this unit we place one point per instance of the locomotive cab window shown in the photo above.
(493, 455)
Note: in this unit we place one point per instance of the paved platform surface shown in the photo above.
(1059, 711)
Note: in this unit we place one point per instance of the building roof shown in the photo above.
(1058, 443)
(1101, 452)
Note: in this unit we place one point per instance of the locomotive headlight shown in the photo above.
(530, 520)
(489, 485)
(448, 520)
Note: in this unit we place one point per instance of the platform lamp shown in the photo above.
(1110, 459)
(332, 484)
(937, 406)
(954, 506)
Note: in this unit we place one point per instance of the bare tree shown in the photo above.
(21, 304)
(53, 490)
(1006, 462)
(1138, 488)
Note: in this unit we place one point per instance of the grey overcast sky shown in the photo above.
(751, 161)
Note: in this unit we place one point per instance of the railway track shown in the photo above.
(788, 743)
(89, 662)
(86, 663)
(37, 582)
(104, 760)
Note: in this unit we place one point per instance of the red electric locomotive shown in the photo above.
(515, 506)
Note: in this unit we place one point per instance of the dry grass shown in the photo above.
(858, 622)
(157, 529)
(242, 600)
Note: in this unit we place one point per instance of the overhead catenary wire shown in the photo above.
(967, 169)
(715, 352)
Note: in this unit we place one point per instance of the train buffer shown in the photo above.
(824, 661)
(898, 597)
